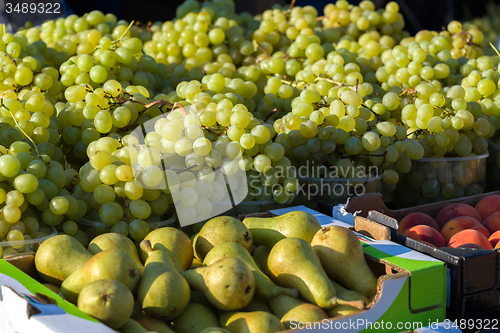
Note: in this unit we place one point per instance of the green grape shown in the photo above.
(59, 205)
(123, 173)
(353, 146)
(390, 176)
(103, 194)
(274, 151)
(9, 165)
(262, 163)
(70, 227)
(370, 141)
(120, 228)
(152, 176)
(141, 209)
(26, 183)
(260, 133)
(14, 198)
(133, 191)
(386, 128)
(110, 213)
(413, 149)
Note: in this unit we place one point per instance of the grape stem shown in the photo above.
(269, 115)
(19, 127)
(264, 49)
(374, 113)
(186, 169)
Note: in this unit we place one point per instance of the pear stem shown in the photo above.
(356, 304)
(145, 245)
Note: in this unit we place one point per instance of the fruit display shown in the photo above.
(457, 225)
(183, 286)
(127, 126)
(132, 144)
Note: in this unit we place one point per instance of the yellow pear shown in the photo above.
(293, 263)
(268, 231)
(228, 283)
(343, 260)
(251, 322)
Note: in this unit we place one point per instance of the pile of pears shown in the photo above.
(257, 275)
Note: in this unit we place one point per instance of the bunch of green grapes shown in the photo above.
(212, 147)
(199, 38)
(356, 20)
(35, 194)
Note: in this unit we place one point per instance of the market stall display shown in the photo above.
(128, 151)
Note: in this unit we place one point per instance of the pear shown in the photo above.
(154, 325)
(251, 322)
(214, 330)
(113, 240)
(341, 254)
(256, 304)
(264, 287)
(175, 243)
(228, 283)
(132, 326)
(221, 229)
(53, 287)
(288, 308)
(268, 231)
(260, 256)
(293, 263)
(195, 318)
(58, 257)
(111, 264)
(109, 301)
(163, 293)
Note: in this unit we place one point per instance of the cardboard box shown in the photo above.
(473, 276)
(411, 287)
(28, 306)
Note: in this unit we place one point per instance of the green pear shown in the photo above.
(154, 325)
(58, 257)
(132, 326)
(293, 263)
(260, 256)
(53, 287)
(175, 243)
(163, 293)
(256, 304)
(221, 229)
(264, 287)
(111, 240)
(291, 309)
(195, 318)
(228, 283)
(268, 231)
(111, 264)
(251, 322)
(214, 330)
(109, 301)
(342, 257)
